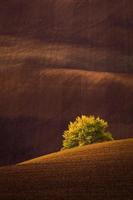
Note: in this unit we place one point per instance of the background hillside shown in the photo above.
(106, 23)
(58, 59)
(37, 104)
(106, 28)
(99, 171)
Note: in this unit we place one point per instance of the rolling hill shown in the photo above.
(102, 23)
(36, 105)
(98, 171)
(93, 35)
(58, 59)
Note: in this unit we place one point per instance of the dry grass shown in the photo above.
(96, 172)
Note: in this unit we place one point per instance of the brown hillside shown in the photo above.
(104, 30)
(43, 43)
(36, 105)
(101, 22)
(99, 171)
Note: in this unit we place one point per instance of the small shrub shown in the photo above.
(86, 130)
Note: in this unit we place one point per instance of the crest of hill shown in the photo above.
(97, 171)
(91, 153)
(36, 105)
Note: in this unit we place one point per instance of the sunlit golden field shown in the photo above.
(98, 171)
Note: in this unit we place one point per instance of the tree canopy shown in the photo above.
(86, 130)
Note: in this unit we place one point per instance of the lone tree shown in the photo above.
(86, 130)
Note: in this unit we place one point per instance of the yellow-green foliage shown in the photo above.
(86, 130)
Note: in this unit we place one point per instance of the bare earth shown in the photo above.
(99, 171)
(60, 59)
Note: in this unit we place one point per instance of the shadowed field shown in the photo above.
(36, 105)
(91, 35)
(99, 171)
(18, 51)
(106, 23)
(58, 60)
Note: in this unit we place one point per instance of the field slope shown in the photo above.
(91, 35)
(36, 105)
(96, 172)
(58, 59)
